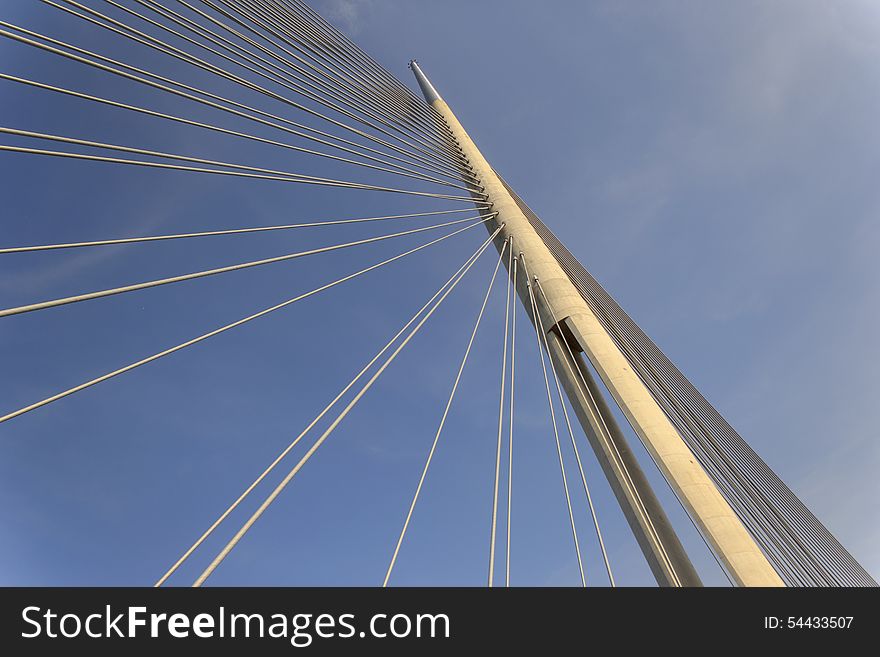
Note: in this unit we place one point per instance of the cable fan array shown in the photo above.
(289, 81)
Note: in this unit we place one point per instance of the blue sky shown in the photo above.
(712, 164)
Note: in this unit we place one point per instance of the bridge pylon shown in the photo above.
(573, 329)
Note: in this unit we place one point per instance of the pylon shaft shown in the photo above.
(736, 549)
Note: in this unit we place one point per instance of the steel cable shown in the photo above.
(53, 303)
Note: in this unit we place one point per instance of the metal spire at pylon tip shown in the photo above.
(428, 89)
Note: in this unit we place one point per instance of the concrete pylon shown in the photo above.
(562, 307)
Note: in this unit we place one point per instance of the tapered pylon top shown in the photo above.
(427, 88)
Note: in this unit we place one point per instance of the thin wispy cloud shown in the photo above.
(347, 14)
